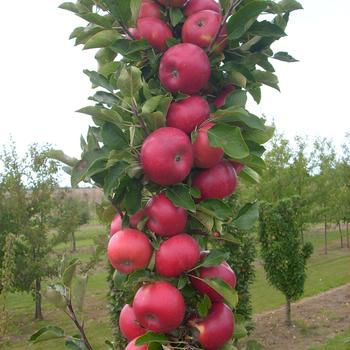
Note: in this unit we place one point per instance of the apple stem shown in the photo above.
(234, 4)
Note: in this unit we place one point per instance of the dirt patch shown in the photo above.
(315, 320)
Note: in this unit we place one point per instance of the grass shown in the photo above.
(324, 273)
(340, 342)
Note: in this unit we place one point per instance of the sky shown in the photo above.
(42, 80)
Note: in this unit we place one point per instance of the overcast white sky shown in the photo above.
(42, 83)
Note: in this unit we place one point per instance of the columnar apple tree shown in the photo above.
(171, 137)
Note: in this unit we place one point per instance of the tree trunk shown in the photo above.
(347, 235)
(341, 234)
(325, 237)
(288, 313)
(74, 243)
(38, 310)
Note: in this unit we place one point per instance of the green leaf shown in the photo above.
(216, 208)
(155, 120)
(230, 139)
(289, 5)
(113, 177)
(241, 21)
(259, 136)
(266, 28)
(103, 38)
(46, 333)
(98, 79)
(181, 197)
(240, 331)
(113, 137)
(266, 78)
(182, 282)
(133, 196)
(225, 4)
(95, 18)
(227, 292)
(69, 272)
(69, 6)
(228, 238)
(176, 16)
(249, 175)
(120, 9)
(105, 97)
(151, 104)
(247, 216)
(135, 9)
(237, 98)
(206, 220)
(101, 114)
(75, 344)
(203, 306)
(55, 298)
(238, 79)
(254, 162)
(255, 92)
(151, 337)
(284, 56)
(79, 291)
(130, 81)
(214, 258)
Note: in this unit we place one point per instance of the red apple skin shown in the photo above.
(187, 114)
(205, 155)
(201, 28)
(217, 328)
(177, 255)
(165, 162)
(133, 346)
(184, 68)
(149, 8)
(217, 182)
(135, 33)
(116, 225)
(165, 219)
(173, 3)
(159, 307)
(220, 100)
(155, 31)
(194, 6)
(238, 166)
(129, 250)
(128, 324)
(222, 271)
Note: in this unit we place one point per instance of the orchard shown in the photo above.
(171, 142)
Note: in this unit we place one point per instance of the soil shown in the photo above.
(315, 320)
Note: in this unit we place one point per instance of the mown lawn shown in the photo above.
(325, 272)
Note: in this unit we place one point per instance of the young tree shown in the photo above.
(283, 253)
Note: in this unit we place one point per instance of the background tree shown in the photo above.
(282, 251)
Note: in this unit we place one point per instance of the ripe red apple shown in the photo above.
(177, 255)
(194, 6)
(218, 181)
(159, 307)
(155, 31)
(149, 8)
(221, 98)
(173, 3)
(187, 114)
(166, 156)
(238, 166)
(201, 28)
(128, 324)
(133, 346)
(129, 250)
(116, 225)
(222, 272)
(165, 219)
(135, 33)
(205, 155)
(217, 328)
(184, 68)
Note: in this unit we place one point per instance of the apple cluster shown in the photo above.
(178, 152)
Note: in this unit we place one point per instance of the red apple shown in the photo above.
(201, 28)
(135, 33)
(238, 166)
(116, 225)
(187, 114)
(128, 324)
(155, 31)
(221, 99)
(173, 3)
(217, 328)
(133, 346)
(177, 255)
(129, 250)
(184, 68)
(222, 272)
(218, 181)
(194, 6)
(166, 156)
(205, 155)
(149, 8)
(165, 219)
(159, 307)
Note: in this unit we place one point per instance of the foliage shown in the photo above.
(283, 253)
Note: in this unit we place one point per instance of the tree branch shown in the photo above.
(139, 117)
(232, 7)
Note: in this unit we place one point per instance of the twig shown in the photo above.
(139, 117)
(126, 30)
(233, 5)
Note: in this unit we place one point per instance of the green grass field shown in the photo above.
(324, 273)
(340, 342)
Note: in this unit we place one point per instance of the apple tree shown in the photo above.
(170, 141)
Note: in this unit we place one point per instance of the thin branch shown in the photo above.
(139, 117)
(126, 30)
(232, 7)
